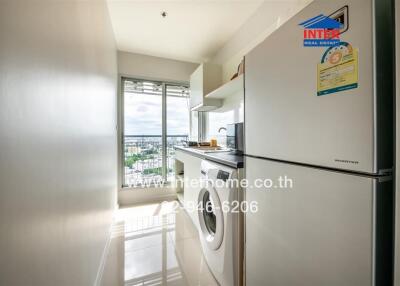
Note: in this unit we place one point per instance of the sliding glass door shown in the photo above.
(155, 118)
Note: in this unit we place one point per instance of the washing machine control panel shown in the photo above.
(223, 175)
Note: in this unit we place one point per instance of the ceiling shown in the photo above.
(193, 30)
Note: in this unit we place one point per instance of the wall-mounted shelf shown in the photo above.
(203, 80)
(227, 89)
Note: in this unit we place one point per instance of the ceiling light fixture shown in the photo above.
(164, 14)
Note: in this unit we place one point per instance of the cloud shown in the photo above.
(143, 115)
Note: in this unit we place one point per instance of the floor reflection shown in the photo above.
(155, 245)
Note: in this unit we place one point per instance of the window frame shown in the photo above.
(121, 129)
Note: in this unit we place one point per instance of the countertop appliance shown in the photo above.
(220, 231)
(322, 117)
(234, 137)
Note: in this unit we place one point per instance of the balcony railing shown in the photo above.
(143, 158)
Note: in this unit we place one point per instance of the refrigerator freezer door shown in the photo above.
(319, 232)
(285, 118)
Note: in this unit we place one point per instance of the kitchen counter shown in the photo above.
(224, 158)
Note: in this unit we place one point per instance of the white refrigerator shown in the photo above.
(319, 112)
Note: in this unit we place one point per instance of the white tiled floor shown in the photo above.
(155, 244)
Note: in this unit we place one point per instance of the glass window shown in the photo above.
(143, 148)
(178, 122)
(194, 126)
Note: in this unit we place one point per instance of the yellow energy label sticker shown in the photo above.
(338, 70)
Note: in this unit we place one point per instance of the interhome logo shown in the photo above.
(321, 31)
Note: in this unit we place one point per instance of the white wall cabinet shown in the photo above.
(205, 79)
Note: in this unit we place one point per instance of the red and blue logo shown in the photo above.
(321, 31)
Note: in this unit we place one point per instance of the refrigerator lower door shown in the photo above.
(330, 228)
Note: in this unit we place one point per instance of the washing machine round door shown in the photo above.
(211, 218)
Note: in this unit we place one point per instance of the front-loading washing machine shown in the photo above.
(220, 223)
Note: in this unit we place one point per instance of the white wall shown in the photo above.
(270, 16)
(148, 67)
(232, 111)
(58, 170)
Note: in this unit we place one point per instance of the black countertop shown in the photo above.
(224, 158)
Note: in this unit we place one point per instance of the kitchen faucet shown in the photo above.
(221, 128)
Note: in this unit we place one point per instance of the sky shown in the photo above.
(143, 115)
